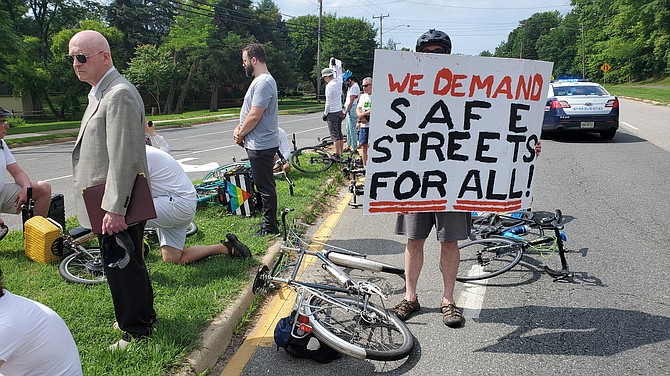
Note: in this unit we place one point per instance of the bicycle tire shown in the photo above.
(192, 229)
(486, 258)
(361, 263)
(83, 267)
(219, 172)
(348, 332)
(311, 160)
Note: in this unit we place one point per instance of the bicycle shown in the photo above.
(343, 317)
(84, 264)
(500, 249)
(314, 159)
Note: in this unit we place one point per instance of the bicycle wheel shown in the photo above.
(219, 172)
(83, 267)
(192, 229)
(358, 330)
(486, 258)
(311, 160)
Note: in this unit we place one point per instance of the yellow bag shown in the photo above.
(42, 240)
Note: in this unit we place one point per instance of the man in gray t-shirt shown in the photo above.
(257, 131)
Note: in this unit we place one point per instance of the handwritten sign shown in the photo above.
(453, 133)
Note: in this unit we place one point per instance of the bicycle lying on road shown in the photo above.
(313, 159)
(343, 317)
(502, 246)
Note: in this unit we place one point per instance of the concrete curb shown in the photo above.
(217, 336)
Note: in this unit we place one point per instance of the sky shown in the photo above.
(473, 25)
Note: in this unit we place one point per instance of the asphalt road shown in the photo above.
(613, 318)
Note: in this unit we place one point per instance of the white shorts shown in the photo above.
(173, 215)
(7, 198)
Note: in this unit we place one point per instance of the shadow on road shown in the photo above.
(574, 331)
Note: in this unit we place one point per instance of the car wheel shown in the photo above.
(607, 135)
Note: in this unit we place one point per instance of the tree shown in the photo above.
(148, 70)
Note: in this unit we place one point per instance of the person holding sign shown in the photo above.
(332, 113)
(353, 92)
(363, 114)
(450, 226)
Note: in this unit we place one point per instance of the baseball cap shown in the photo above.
(4, 112)
(327, 72)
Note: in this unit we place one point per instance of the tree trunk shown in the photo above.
(184, 89)
(59, 115)
(214, 100)
(170, 97)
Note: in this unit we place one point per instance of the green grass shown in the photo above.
(186, 296)
(654, 90)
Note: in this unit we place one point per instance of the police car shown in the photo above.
(578, 105)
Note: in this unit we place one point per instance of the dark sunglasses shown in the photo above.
(436, 51)
(367, 85)
(80, 58)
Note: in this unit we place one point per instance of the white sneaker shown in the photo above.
(122, 344)
(116, 325)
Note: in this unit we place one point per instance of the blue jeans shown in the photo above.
(352, 133)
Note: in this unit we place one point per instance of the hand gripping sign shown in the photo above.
(453, 133)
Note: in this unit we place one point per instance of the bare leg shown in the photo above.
(449, 260)
(338, 147)
(364, 153)
(191, 254)
(413, 265)
(42, 197)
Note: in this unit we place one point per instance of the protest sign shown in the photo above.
(453, 133)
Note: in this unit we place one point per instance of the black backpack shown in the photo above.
(305, 345)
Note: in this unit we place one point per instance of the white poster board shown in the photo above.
(453, 133)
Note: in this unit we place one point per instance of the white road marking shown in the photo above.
(58, 178)
(471, 299)
(629, 126)
(196, 168)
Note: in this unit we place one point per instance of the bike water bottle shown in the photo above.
(519, 230)
(565, 238)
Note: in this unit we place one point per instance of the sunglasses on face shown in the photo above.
(80, 58)
(367, 85)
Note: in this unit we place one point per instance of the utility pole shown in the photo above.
(318, 54)
(583, 52)
(381, 35)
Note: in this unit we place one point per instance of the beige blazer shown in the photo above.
(110, 146)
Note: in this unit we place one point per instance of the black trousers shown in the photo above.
(131, 290)
(261, 167)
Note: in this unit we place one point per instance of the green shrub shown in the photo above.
(16, 121)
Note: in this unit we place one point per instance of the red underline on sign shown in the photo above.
(400, 209)
(488, 206)
(407, 206)
(409, 203)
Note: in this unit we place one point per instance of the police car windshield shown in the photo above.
(579, 90)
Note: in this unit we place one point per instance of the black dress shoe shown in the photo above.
(236, 248)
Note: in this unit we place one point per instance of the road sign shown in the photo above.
(605, 67)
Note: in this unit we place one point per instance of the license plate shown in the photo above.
(588, 124)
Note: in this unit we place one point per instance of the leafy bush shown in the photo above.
(16, 121)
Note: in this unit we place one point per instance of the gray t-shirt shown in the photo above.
(262, 93)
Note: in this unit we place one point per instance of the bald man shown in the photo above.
(110, 148)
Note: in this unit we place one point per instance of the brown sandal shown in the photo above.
(405, 308)
(451, 315)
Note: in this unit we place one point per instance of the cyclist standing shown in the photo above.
(353, 92)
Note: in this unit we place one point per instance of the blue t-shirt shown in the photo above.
(262, 93)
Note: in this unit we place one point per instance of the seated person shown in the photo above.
(154, 139)
(175, 201)
(34, 340)
(12, 195)
(285, 151)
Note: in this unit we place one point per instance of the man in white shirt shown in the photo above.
(154, 139)
(175, 201)
(332, 113)
(363, 114)
(350, 103)
(34, 340)
(12, 195)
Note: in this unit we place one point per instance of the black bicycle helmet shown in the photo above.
(433, 36)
